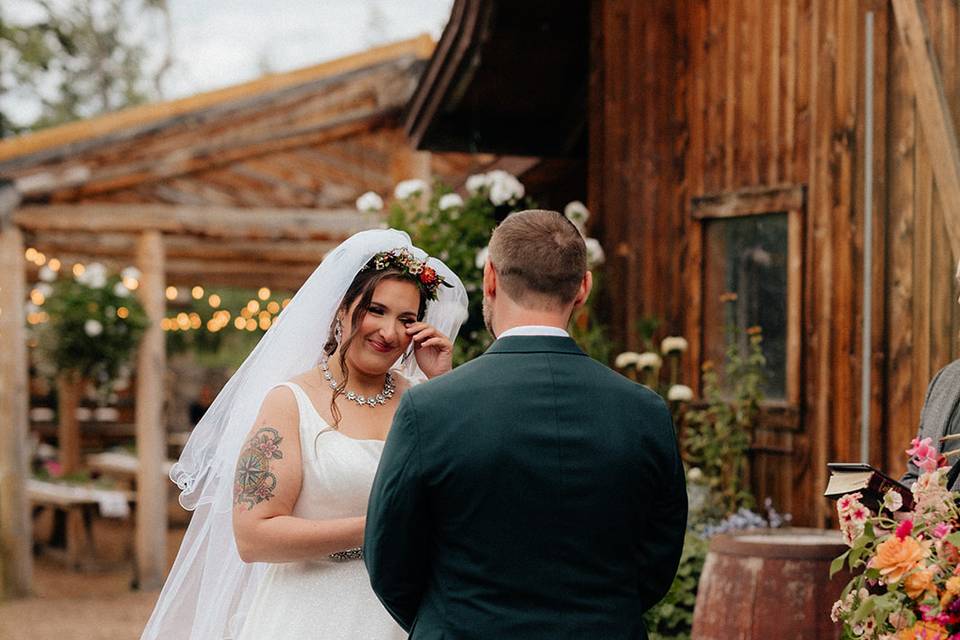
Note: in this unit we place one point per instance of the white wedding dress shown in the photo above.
(324, 598)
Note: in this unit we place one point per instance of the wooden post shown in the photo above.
(151, 529)
(933, 109)
(69, 393)
(16, 562)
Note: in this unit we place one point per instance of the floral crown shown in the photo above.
(417, 270)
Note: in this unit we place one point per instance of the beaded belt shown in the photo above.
(347, 555)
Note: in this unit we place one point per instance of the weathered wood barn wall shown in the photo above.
(697, 113)
(706, 108)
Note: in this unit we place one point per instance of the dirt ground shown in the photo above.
(96, 604)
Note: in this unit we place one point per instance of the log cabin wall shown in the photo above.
(716, 101)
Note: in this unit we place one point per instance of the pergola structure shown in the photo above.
(245, 186)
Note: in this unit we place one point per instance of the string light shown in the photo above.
(131, 283)
(286, 301)
(30, 254)
(78, 270)
(265, 323)
(37, 297)
(253, 306)
(171, 293)
(40, 259)
(54, 264)
(264, 293)
(123, 312)
(251, 325)
(197, 292)
(214, 301)
(273, 307)
(239, 323)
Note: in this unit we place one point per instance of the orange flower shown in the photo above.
(919, 582)
(924, 631)
(896, 557)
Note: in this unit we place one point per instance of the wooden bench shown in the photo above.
(79, 504)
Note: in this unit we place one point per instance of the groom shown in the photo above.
(532, 492)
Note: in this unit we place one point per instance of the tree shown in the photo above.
(80, 58)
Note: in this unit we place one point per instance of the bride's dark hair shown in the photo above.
(362, 287)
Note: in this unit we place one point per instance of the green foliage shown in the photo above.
(457, 235)
(716, 437)
(84, 333)
(81, 58)
(673, 616)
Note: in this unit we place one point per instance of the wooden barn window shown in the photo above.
(752, 248)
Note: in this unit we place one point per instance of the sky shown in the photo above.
(218, 43)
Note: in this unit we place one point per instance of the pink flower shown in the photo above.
(941, 530)
(924, 455)
(53, 468)
(904, 529)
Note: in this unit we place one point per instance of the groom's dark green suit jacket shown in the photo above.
(530, 493)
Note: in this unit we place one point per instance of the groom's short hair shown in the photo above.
(540, 258)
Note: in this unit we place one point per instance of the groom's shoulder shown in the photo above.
(453, 382)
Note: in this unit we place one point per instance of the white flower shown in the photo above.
(649, 360)
(504, 187)
(577, 213)
(595, 254)
(44, 289)
(449, 201)
(94, 276)
(47, 274)
(680, 393)
(481, 259)
(92, 328)
(626, 359)
(673, 344)
(409, 188)
(892, 500)
(369, 202)
(120, 290)
(131, 273)
(695, 474)
(476, 182)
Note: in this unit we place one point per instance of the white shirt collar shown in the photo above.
(534, 330)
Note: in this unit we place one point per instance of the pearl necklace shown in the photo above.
(389, 386)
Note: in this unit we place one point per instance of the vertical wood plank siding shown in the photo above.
(701, 97)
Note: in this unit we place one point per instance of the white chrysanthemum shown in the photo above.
(131, 273)
(673, 344)
(577, 213)
(649, 360)
(92, 328)
(595, 254)
(44, 289)
(449, 201)
(481, 258)
(94, 276)
(626, 359)
(680, 393)
(409, 188)
(120, 290)
(477, 182)
(369, 202)
(47, 274)
(504, 187)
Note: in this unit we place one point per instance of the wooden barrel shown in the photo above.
(769, 584)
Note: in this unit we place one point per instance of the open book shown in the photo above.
(849, 477)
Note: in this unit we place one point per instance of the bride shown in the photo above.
(279, 469)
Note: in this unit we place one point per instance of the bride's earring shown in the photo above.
(338, 332)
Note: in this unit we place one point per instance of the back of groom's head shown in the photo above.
(539, 257)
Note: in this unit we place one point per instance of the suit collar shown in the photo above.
(535, 344)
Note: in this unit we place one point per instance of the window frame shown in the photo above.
(789, 199)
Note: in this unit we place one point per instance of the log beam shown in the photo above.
(201, 221)
(16, 561)
(151, 526)
(933, 110)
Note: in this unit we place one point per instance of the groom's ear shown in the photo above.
(489, 280)
(586, 285)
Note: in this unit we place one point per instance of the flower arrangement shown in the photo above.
(456, 228)
(907, 585)
(91, 323)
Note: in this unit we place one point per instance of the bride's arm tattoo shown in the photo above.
(254, 481)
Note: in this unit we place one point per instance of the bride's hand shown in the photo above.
(433, 350)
